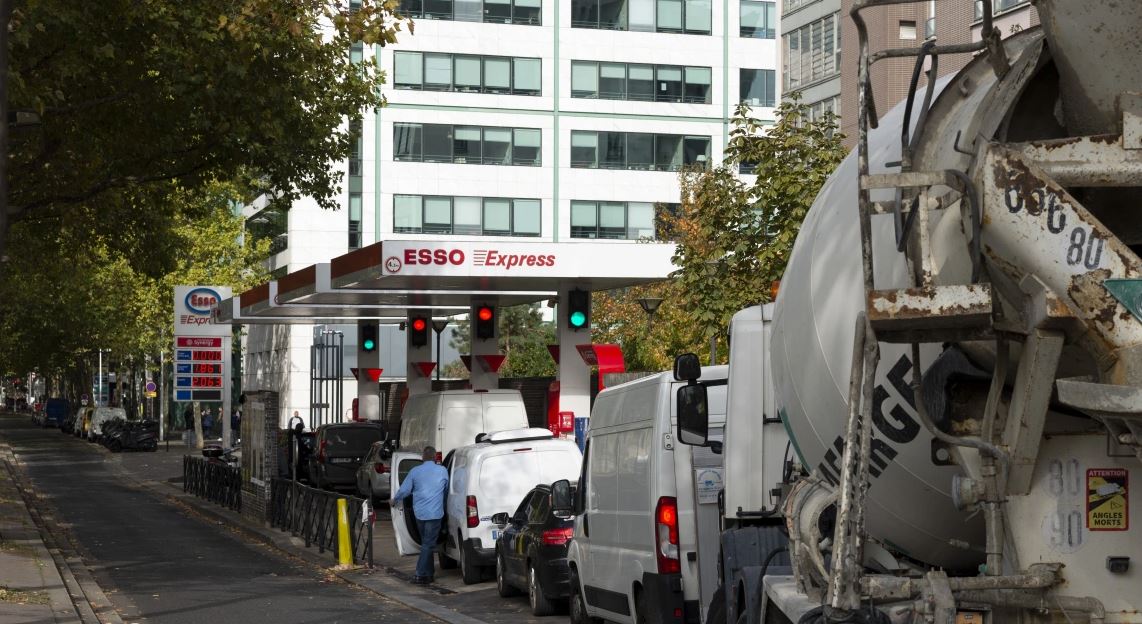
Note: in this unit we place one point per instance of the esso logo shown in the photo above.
(202, 300)
(439, 257)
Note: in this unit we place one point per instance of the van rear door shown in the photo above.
(503, 412)
(403, 518)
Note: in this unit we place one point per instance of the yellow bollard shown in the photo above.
(344, 552)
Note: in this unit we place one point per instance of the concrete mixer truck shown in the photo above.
(957, 344)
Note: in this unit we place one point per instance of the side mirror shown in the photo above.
(500, 519)
(561, 497)
(687, 367)
(693, 415)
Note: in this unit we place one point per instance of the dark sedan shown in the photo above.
(531, 552)
(339, 450)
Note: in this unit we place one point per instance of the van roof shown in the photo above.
(470, 391)
(518, 435)
(709, 373)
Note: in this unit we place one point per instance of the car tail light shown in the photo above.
(439, 457)
(473, 513)
(381, 468)
(666, 531)
(557, 537)
(321, 451)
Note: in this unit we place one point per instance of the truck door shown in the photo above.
(403, 518)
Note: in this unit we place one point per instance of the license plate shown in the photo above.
(341, 460)
(495, 535)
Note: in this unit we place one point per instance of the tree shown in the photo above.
(523, 338)
(734, 238)
(134, 95)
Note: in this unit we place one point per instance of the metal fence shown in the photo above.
(311, 514)
(215, 481)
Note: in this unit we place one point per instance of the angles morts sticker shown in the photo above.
(1108, 499)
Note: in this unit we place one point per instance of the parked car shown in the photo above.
(340, 449)
(486, 478)
(82, 421)
(636, 508)
(55, 412)
(531, 552)
(101, 416)
(453, 418)
(373, 478)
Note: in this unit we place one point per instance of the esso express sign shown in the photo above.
(479, 258)
(193, 310)
(438, 257)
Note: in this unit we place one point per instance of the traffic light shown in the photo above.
(578, 309)
(485, 322)
(368, 336)
(419, 332)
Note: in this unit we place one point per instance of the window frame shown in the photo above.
(515, 68)
(415, 134)
(424, 227)
(654, 83)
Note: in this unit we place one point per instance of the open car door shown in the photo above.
(404, 521)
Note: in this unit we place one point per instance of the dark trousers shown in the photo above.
(429, 532)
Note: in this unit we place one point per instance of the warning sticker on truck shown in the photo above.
(1108, 497)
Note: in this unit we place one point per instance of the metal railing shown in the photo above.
(215, 481)
(311, 514)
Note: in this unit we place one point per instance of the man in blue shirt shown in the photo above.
(426, 484)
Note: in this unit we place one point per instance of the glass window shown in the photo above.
(525, 147)
(411, 8)
(669, 16)
(613, 81)
(698, 16)
(527, 12)
(584, 79)
(466, 144)
(407, 213)
(407, 66)
(640, 84)
(584, 220)
(696, 150)
(498, 11)
(612, 220)
(467, 73)
(669, 84)
(526, 75)
(497, 75)
(907, 29)
(468, 11)
(758, 19)
(466, 215)
(585, 13)
(668, 152)
(613, 14)
(438, 71)
(437, 143)
(497, 217)
(355, 207)
(437, 215)
(525, 217)
(640, 151)
(438, 9)
(497, 146)
(698, 85)
(642, 15)
(757, 87)
(356, 52)
(640, 220)
(406, 141)
(613, 146)
(584, 149)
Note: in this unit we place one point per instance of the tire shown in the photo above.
(503, 588)
(151, 445)
(640, 607)
(470, 573)
(578, 608)
(446, 562)
(540, 605)
(717, 612)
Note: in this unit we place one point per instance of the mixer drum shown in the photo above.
(909, 506)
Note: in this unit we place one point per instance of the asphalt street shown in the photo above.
(159, 563)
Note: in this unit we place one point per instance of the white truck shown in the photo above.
(957, 345)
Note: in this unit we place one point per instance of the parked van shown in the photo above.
(485, 479)
(453, 418)
(641, 503)
(55, 412)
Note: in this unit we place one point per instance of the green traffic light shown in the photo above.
(369, 344)
(578, 319)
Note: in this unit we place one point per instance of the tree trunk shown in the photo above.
(5, 17)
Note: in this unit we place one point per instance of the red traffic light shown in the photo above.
(419, 324)
(484, 313)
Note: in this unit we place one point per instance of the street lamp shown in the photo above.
(650, 306)
(438, 326)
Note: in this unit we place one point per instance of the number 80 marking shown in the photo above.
(1085, 246)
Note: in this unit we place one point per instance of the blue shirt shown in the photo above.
(426, 483)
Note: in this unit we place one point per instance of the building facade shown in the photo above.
(544, 120)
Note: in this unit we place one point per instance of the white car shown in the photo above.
(373, 476)
(486, 478)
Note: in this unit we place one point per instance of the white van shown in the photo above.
(641, 500)
(484, 479)
(100, 417)
(453, 418)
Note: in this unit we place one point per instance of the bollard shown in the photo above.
(344, 552)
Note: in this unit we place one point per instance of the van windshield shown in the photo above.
(352, 439)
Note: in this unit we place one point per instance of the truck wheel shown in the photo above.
(469, 571)
(717, 612)
(540, 605)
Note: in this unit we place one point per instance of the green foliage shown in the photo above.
(523, 338)
(734, 239)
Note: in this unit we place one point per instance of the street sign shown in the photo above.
(150, 395)
(151, 388)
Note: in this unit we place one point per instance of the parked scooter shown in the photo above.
(140, 435)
